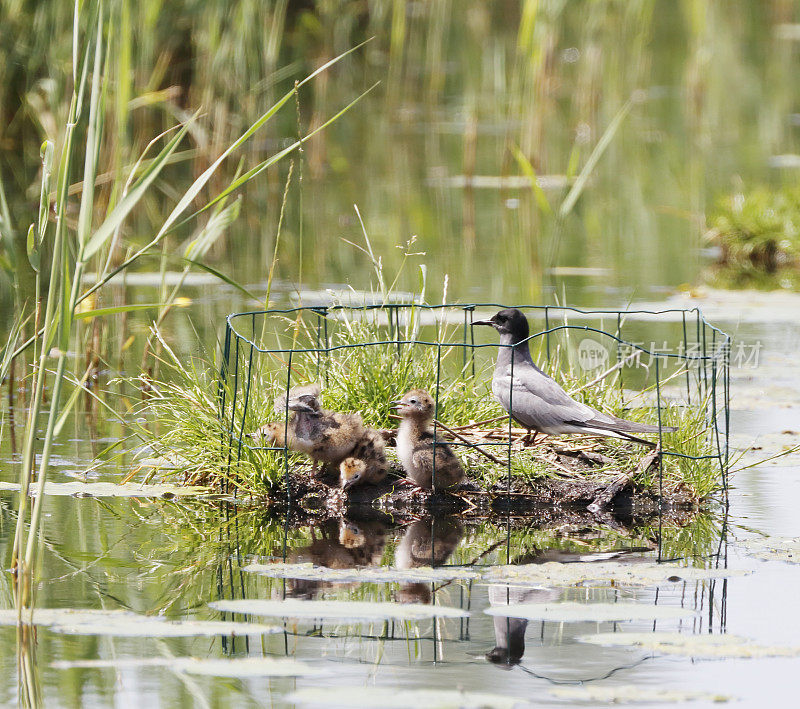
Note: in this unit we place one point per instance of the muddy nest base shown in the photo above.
(319, 495)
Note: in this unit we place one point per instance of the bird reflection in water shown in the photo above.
(426, 542)
(344, 543)
(509, 633)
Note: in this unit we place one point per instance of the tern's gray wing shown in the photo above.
(537, 401)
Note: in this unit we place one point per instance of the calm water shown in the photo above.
(717, 100)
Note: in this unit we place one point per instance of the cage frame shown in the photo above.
(713, 362)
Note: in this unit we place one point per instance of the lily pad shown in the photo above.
(379, 574)
(711, 646)
(242, 667)
(54, 616)
(637, 574)
(624, 693)
(81, 489)
(134, 627)
(213, 667)
(78, 621)
(391, 697)
(775, 548)
(567, 612)
(338, 610)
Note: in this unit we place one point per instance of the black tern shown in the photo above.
(415, 446)
(537, 402)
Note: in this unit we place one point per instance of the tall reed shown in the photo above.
(71, 252)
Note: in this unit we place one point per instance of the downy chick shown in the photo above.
(327, 437)
(279, 432)
(366, 464)
(426, 542)
(415, 445)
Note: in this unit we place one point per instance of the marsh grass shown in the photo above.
(758, 231)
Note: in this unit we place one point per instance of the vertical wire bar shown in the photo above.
(464, 341)
(546, 335)
(472, 338)
(660, 457)
(714, 405)
(436, 414)
(222, 391)
(233, 412)
(508, 463)
(619, 352)
(698, 357)
(286, 429)
(318, 341)
(327, 343)
(397, 332)
(686, 360)
(244, 409)
(705, 363)
(727, 396)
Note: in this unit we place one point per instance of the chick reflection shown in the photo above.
(343, 543)
(509, 633)
(426, 542)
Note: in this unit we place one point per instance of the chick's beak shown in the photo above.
(395, 404)
(300, 406)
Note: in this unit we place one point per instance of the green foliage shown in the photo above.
(758, 230)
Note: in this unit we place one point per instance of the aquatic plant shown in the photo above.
(758, 231)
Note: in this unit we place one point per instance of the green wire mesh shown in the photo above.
(286, 347)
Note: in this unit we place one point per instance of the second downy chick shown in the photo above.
(327, 437)
(366, 464)
(429, 466)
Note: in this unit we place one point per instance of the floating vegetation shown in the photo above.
(391, 697)
(774, 548)
(54, 616)
(635, 573)
(549, 573)
(355, 611)
(223, 667)
(155, 628)
(625, 693)
(378, 574)
(710, 646)
(78, 621)
(81, 489)
(569, 612)
(243, 667)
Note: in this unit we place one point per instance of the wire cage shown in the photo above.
(659, 361)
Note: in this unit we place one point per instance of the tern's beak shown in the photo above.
(300, 406)
(483, 322)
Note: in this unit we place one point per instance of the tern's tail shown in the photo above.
(624, 429)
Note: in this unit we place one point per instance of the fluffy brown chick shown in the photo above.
(366, 464)
(327, 437)
(429, 466)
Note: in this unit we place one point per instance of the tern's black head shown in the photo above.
(509, 322)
